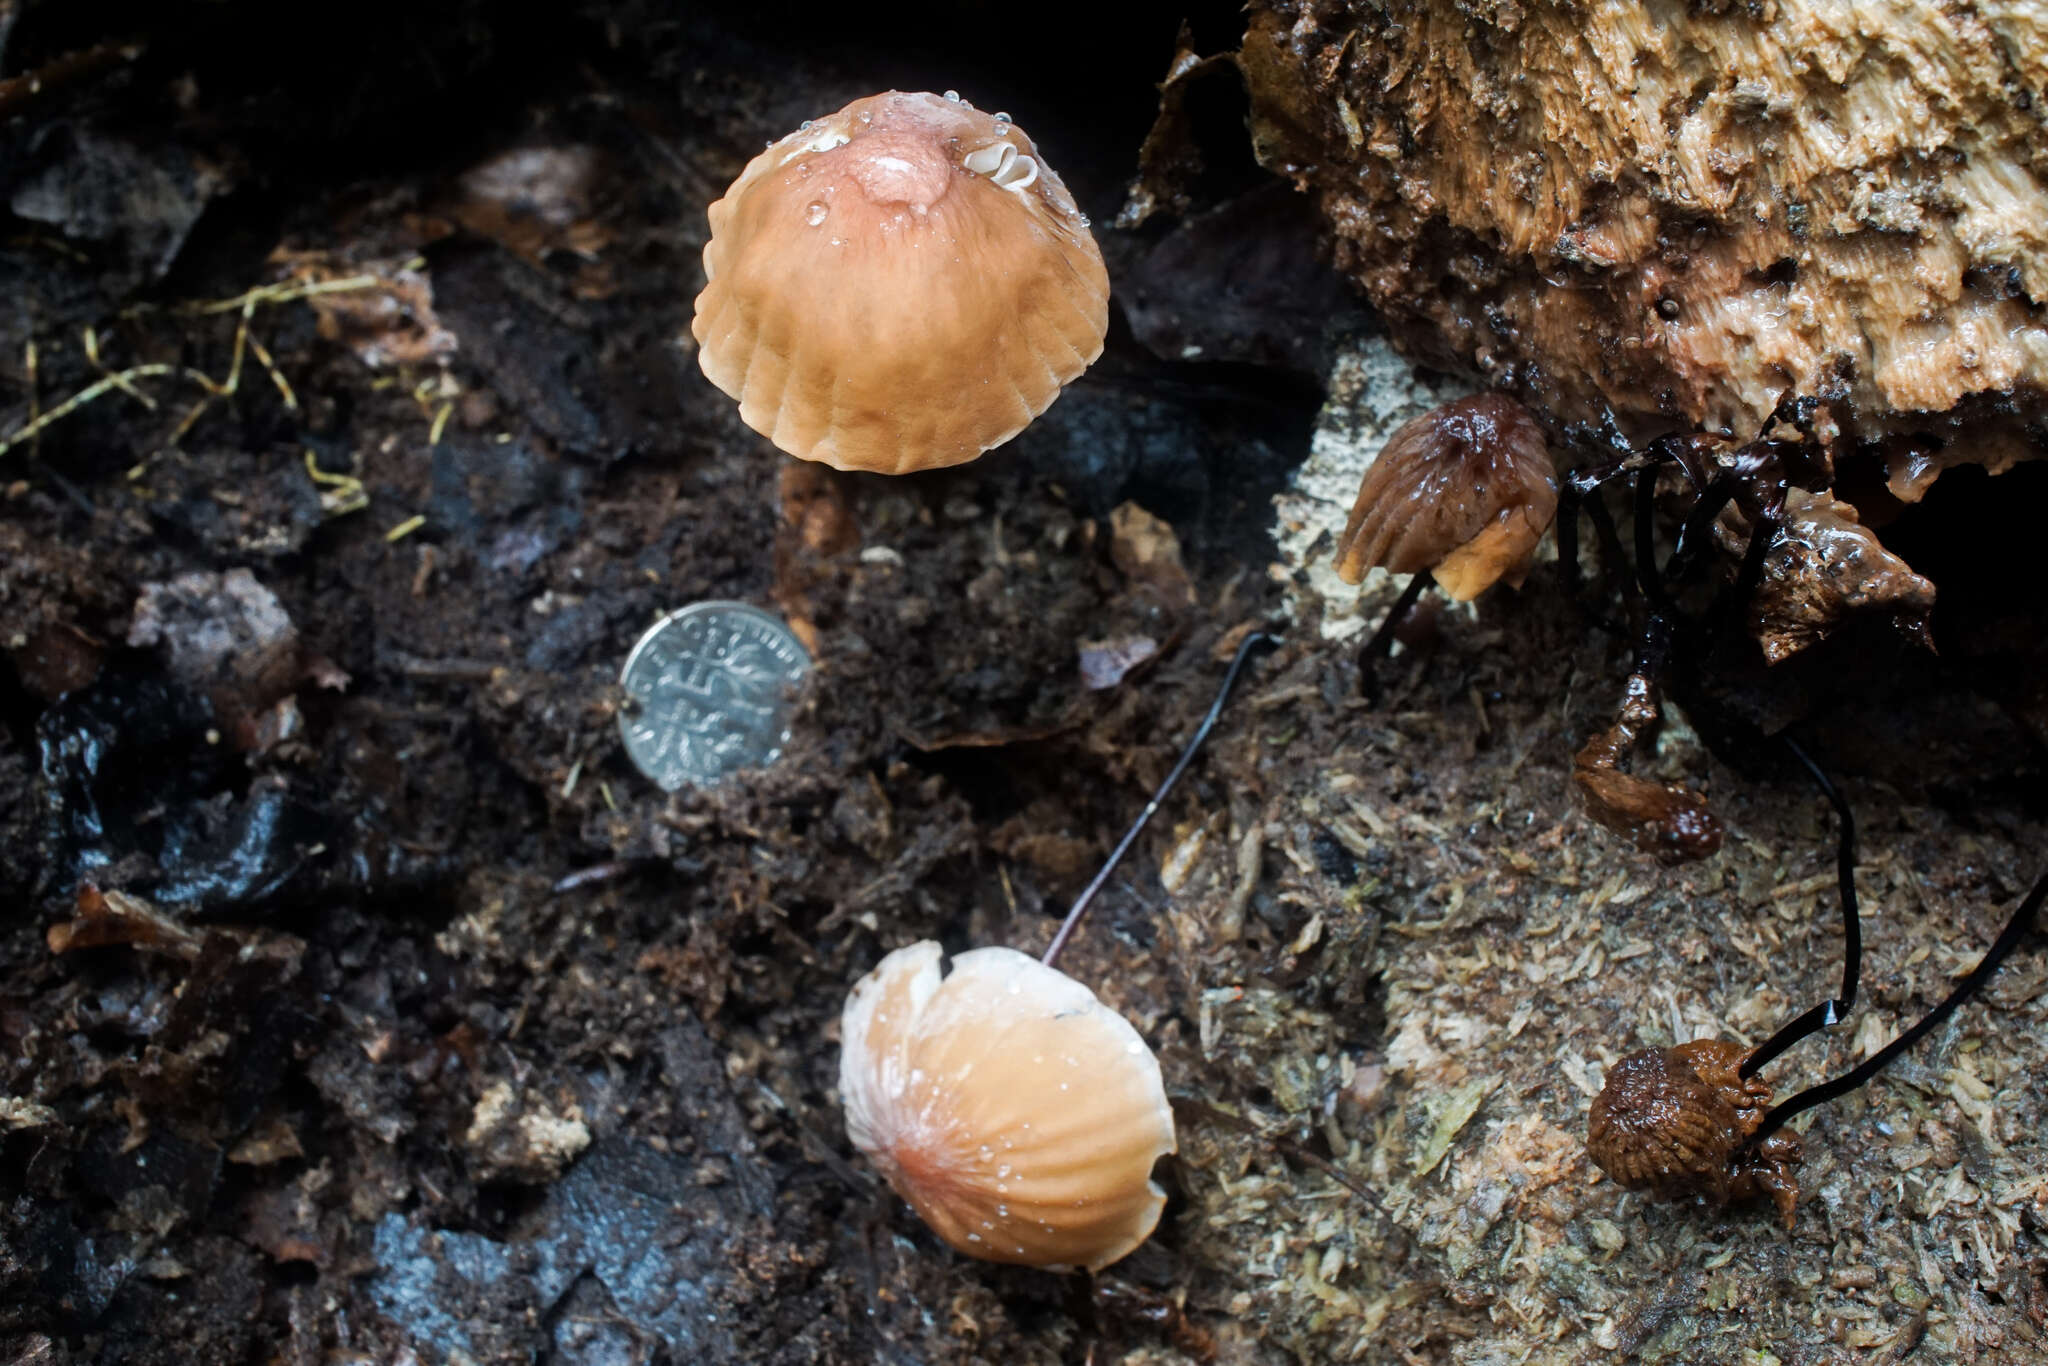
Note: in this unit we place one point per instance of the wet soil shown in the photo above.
(409, 1023)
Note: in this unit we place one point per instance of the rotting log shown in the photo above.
(1669, 215)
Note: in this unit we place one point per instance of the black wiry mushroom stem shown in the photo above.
(2001, 948)
(1578, 493)
(1382, 640)
(1831, 1012)
(1254, 643)
(1748, 576)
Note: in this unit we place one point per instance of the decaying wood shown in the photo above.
(1677, 212)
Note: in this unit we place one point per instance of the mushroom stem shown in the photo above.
(1830, 1012)
(1256, 641)
(1383, 639)
(2001, 948)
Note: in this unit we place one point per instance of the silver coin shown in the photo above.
(709, 691)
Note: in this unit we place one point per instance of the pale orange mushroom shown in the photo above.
(899, 286)
(1016, 1112)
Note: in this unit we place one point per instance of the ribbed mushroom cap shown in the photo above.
(1016, 1112)
(898, 287)
(1666, 1118)
(1465, 491)
(1675, 1121)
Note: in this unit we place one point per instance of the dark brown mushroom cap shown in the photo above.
(1673, 1121)
(1658, 1123)
(1464, 491)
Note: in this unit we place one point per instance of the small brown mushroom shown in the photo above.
(1673, 1121)
(1016, 1112)
(1464, 491)
(899, 286)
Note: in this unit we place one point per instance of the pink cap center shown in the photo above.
(899, 168)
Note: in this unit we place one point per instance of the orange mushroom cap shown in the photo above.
(1464, 491)
(1016, 1112)
(899, 286)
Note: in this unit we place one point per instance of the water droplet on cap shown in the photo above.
(804, 127)
(814, 212)
(1002, 117)
(953, 95)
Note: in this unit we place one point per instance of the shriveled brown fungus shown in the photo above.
(1673, 1121)
(898, 286)
(1015, 1111)
(1668, 821)
(1463, 492)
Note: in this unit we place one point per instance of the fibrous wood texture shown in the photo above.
(1677, 212)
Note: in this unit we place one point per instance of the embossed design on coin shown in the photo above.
(710, 689)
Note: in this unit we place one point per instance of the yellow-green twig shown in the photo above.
(342, 493)
(92, 354)
(246, 303)
(284, 389)
(35, 426)
(284, 293)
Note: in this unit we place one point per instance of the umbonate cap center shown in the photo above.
(899, 168)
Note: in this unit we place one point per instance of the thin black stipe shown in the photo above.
(1696, 533)
(1833, 1012)
(1648, 576)
(1253, 643)
(1748, 577)
(2008, 940)
(1383, 639)
(1578, 495)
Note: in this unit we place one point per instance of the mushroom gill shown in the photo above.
(1016, 1112)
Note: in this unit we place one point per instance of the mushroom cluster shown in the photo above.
(898, 286)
